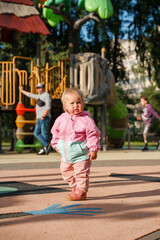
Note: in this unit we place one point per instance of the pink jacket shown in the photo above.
(75, 136)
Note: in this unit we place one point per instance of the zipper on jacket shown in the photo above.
(65, 143)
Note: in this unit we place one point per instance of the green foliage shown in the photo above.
(140, 73)
(146, 34)
(103, 7)
(111, 132)
(144, 29)
(119, 111)
(54, 54)
(138, 143)
(53, 19)
(108, 34)
(6, 52)
(81, 4)
(123, 96)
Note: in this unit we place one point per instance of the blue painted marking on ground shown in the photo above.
(7, 190)
(70, 209)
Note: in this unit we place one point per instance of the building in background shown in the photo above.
(137, 76)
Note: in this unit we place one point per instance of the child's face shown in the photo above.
(143, 102)
(73, 104)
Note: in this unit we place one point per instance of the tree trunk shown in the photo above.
(73, 37)
(115, 57)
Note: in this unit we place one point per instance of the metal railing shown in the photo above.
(56, 80)
(7, 83)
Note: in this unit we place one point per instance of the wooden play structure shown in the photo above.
(87, 72)
(55, 79)
(17, 18)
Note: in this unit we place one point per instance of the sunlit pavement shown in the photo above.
(122, 204)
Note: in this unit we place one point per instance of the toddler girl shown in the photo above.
(76, 138)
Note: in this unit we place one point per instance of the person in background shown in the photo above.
(43, 115)
(77, 138)
(147, 118)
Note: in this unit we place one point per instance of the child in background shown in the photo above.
(147, 117)
(77, 138)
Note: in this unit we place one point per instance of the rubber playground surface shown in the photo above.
(123, 200)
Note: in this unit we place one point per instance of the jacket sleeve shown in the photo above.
(154, 112)
(92, 136)
(55, 133)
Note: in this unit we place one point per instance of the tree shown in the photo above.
(109, 32)
(6, 51)
(61, 10)
(146, 35)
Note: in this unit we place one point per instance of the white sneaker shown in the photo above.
(41, 152)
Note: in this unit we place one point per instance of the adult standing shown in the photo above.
(43, 115)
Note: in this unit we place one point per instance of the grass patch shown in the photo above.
(140, 144)
(6, 144)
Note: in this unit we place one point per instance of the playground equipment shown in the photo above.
(20, 133)
(20, 146)
(12, 77)
(104, 9)
(55, 78)
(20, 121)
(89, 73)
(20, 109)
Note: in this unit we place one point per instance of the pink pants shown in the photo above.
(77, 174)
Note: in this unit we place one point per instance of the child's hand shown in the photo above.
(92, 155)
(139, 118)
(57, 150)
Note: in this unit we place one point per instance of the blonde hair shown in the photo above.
(71, 91)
